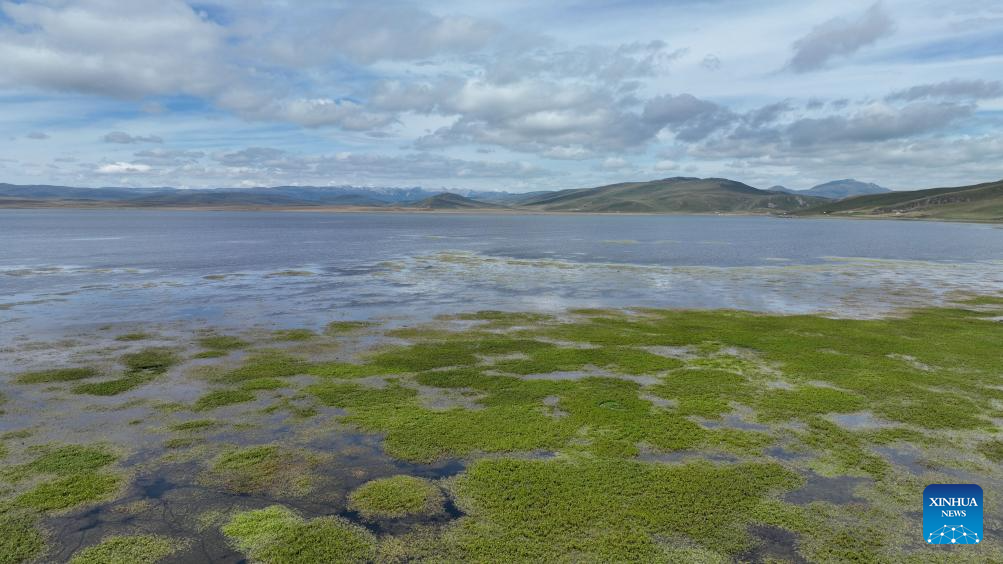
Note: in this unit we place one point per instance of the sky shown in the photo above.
(513, 95)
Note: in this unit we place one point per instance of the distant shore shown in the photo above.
(27, 205)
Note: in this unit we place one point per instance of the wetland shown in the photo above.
(266, 387)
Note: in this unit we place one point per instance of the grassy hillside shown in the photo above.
(449, 201)
(981, 202)
(672, 195)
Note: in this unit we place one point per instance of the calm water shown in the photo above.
(67, 270)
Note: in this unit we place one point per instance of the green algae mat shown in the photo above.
(589, 436)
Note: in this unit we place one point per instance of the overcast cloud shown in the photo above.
(517, 95)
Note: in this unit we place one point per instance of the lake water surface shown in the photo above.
(69, 270)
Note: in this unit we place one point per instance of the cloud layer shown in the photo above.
(517, 96)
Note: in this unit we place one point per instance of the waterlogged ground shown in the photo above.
(577, 435)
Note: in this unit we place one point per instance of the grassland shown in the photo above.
(980, 202)
(596, 435)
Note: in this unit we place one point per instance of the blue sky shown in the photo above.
(513, 95)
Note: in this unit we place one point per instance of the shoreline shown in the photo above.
(475, 211)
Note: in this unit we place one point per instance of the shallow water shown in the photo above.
(65, 271)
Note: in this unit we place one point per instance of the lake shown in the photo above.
(64, 271)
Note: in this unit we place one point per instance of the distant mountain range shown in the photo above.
(669, 195)
(450, 201)
(838, 189)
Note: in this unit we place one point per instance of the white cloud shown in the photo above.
(123, 167)
(550, 94)
(120, 49)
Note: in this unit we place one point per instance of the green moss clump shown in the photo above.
(69, 459)
(345, 370)
(267, 364)
(195, 425)
(130, 549)
(505, 318)
(626, 360)
(57, 375)
(264, 469)
(211, 354)
(150, 360)
(423, 356)
(807, 401)
(221, 398)
(182, 442)
(294, 335)
(399, 496)
(279, 536)
(111, 387)
(222, 342)
(69, 491)
(607, 510)
(707, 393)
(133, 337)
(20, 538)
(338, 327)
(993, 450)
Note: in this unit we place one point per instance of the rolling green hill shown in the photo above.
(672, 195)
(450, 201)
(981, 202)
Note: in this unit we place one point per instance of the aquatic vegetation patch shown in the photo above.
(606, 510)
(222, 398)
(63, 461)
(21, 540)
(619, 412)
(222, 342)
(127, 549)
(128, 337)
(336, 369)
(58, 375)
(264, 469)
(70, 491)
(626, 360)
(424, 356)
(111, 387)
(335, 328)
(183, 442)
(993, 450)
(707, 393)
(195, 425)
(293, 335)
(151, 360)
(211, 354)
(277, 535)
(266, 364)
(395, 497)
(841, 452)
(806, 401)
